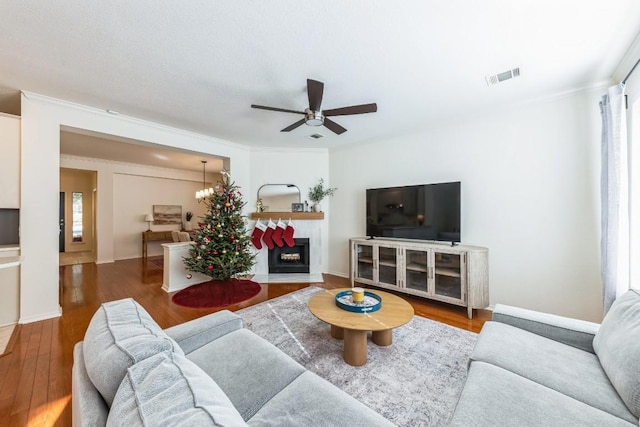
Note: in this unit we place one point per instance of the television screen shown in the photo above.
(9, 226)
(423, 212)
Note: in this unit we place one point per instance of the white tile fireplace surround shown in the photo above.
(310, 229)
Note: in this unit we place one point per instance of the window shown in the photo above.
(76, 206)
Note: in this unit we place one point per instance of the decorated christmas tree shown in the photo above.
(221, 248)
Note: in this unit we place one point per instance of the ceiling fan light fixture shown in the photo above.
(313, 118)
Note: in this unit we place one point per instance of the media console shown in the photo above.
(454, 274)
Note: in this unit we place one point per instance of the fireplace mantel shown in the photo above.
(287, 215)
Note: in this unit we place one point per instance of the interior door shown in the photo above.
(61, 224)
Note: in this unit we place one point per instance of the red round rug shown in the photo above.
(217, 293)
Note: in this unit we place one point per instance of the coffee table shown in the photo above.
(353, 327)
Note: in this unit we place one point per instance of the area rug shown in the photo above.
(217, 293)
(414, 382)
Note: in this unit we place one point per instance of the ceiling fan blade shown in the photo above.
(354, 109)
(284, 110)
(315, 89)
(293, 126)
(333, 126)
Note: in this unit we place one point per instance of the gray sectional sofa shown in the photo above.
(209, 371)
(534, 369)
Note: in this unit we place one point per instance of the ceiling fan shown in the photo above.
(314, 116)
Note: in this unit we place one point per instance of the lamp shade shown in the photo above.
(149, 218)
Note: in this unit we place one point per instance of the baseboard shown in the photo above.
(51, 315)
(344, 276)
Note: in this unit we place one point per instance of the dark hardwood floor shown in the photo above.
(35, 377)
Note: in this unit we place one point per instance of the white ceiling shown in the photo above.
(199, 65)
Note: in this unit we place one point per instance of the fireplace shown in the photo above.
(287, 259)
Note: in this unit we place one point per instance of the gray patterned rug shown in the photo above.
(414, 382)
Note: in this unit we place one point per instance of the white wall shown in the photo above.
(530, 193)
(42, 118)
(134, 197)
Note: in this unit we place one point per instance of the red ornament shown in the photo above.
(215, 252)
(210, 267)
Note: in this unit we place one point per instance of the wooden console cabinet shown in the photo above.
(454, 274)
(154, 236)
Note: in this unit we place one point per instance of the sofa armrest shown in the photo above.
(88, 408)
(574, 332)
(195, 333)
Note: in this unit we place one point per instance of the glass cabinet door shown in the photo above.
(448, 277)
(416, 270)
(388, 266)
(364, 262)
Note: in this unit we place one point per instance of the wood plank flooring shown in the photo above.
(35, 377)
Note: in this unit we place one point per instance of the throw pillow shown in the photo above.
(120, 334)
(169, 390)
(617, 344)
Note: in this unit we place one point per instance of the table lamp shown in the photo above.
(149, 219)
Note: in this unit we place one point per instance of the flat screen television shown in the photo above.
(9, 226)
(422, 212)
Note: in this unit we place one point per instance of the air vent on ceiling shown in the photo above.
(315, 136)
(501, 77)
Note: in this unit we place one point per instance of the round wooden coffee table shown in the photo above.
(353, 327)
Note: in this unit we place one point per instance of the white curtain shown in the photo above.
(615, 196)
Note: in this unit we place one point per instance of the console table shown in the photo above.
(154, 236)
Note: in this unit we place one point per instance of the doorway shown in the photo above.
(77, 216)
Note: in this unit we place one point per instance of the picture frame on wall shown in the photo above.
(297, 207)
(167, 214)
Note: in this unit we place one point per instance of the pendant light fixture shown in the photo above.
(205, 192)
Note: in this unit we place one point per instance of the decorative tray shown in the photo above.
(371, 303)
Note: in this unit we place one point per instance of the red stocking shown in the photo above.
(267, 236)
(277, 233)
(257, 233)
(288, 234)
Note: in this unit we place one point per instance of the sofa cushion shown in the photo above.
(247, 368)
(493, 396)
(566, 369)
(168, 389)
(120, 334)
(309, 399)
(617, 344)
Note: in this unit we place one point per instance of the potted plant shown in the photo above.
(187, 225)
(319, 192)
